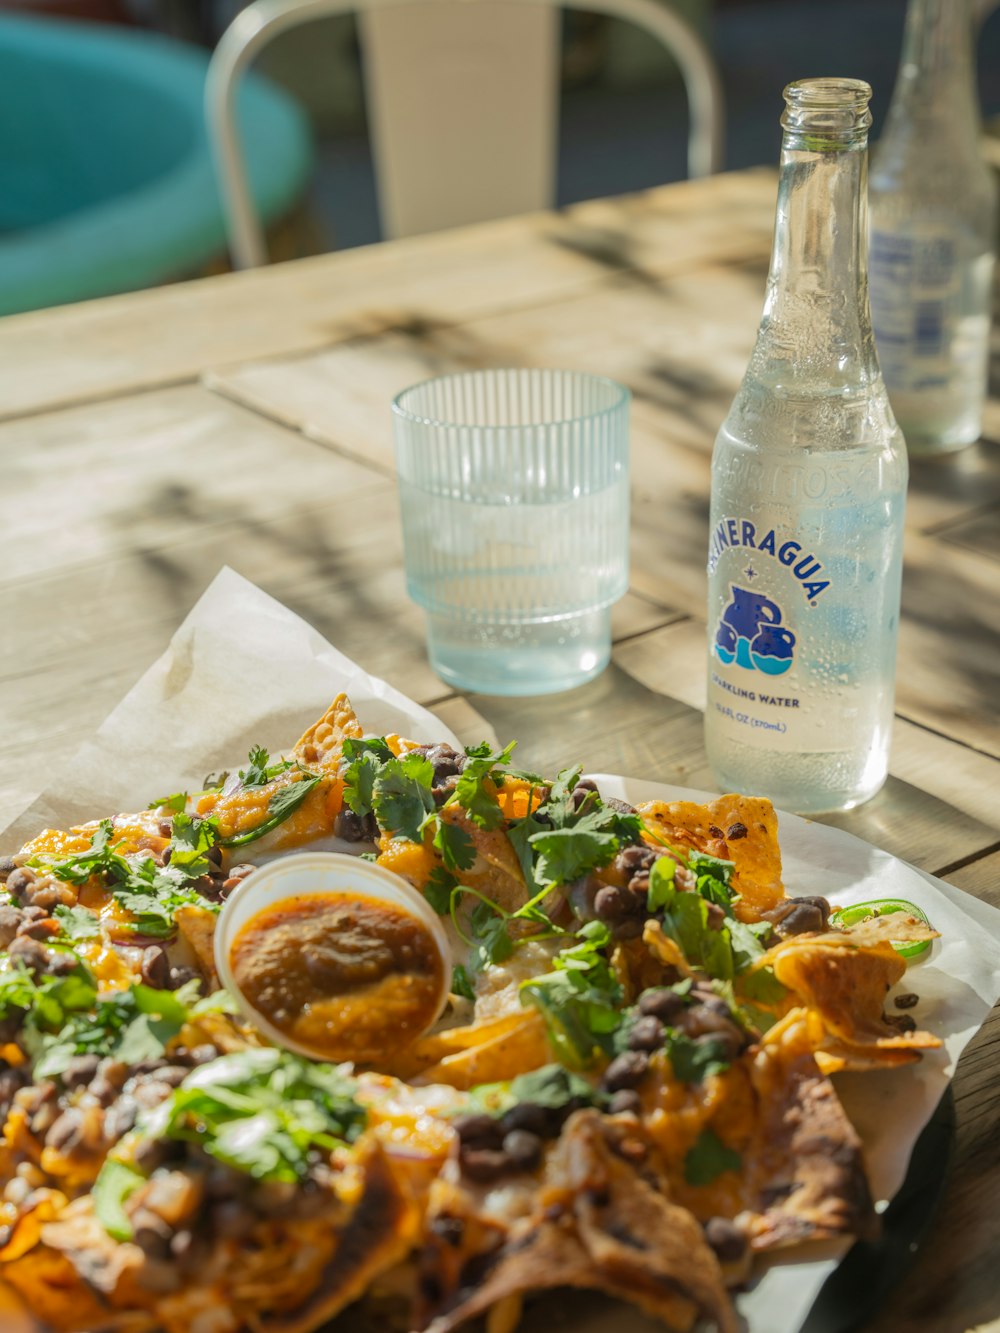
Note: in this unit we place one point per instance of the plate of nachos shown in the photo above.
(629, 1090)
(680, 1067)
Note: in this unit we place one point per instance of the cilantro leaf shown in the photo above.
(77, 923)
(100, 858)
(709, 1158)
(191, 839)
(260, 771)
(460, 983)
(566, 854)
(285, 800)
(366, 756)
(580, 999)
(693, 1061)
(176, 802)
(554, 1088)
(402, 797)
(438, 889)
(489, 932)
(458, 851)
(482, 766)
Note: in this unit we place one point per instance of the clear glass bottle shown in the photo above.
(933, 234)
(809, 480)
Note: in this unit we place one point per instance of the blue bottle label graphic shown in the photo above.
(750, 633)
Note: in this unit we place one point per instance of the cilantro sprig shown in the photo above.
(580, 999)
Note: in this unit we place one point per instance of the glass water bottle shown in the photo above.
(933, 237)
(808, 487)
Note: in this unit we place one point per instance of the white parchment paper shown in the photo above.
(244, 670)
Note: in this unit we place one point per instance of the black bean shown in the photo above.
(631, 928)
(726, 1239)
(637, 857)
(715, 831)
(907, 1000)
(180, 976)
(715, 917)
(638, 885)
(148, 1154)
(612, 903)
(11, 1080)
(31, 954)
(523, 1148)
(214, 854)
(626, 1100)
(902, 1022)
(34, 913)
(108, 1081)
(529, 1116)
(728, 1044)
(484, 1164)
(45, 929)
(62, 963)
(49, 893)
(626, 1071)
(181, 1244)
(120, 1118)
(203, 1054)
(10, 919)
(66, 1131)
(232, 1219)
(19, 879)
(661, 1003)
(478, 1128)
(586, 784)
(172, 1075)
(735, 832)
(350, 826)
(155, 966)
(7, 865)
(646, 1035)
(622, 807)
(31, 1099)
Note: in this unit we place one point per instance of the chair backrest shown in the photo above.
(462, 101)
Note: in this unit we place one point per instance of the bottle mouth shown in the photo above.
(833, 112)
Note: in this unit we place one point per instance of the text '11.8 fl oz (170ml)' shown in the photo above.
(809, 481)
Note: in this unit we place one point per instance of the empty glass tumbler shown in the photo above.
(515, 505)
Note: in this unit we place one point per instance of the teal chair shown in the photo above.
(106, 179)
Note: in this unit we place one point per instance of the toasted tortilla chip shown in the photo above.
(496, 872)
(319, 746)
(488, 1052)
(846, 986)
(749, 829)
(196, 927)
(805, 1166)
(597, 1225)
(59, 1298)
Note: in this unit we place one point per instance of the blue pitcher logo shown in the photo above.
(750, 633)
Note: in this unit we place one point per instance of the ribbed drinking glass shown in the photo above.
(515, 506)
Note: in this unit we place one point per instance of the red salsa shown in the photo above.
(348, 976)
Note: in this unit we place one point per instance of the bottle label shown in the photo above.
(915, 286)
(764, 580)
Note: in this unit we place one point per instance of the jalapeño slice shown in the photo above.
(850, 916)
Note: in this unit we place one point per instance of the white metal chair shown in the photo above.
(419, 193)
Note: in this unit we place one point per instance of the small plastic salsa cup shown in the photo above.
(338, 882)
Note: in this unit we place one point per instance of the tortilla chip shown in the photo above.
(196, 927)
(597, 1225)
(58, 1296)
(846, 987)
(805, 1166)
(496, 871)
(319, 746)
(755, 852)
(488, 1052)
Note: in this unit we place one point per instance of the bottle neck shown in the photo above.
(816, 314)
(937, 66)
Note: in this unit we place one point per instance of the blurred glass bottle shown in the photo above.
(933, 234)
(808, 488)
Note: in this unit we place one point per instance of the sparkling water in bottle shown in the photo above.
(933, 235)
(808, 487)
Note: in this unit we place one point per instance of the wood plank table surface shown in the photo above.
(146, 440)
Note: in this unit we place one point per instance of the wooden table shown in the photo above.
(148, 439)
